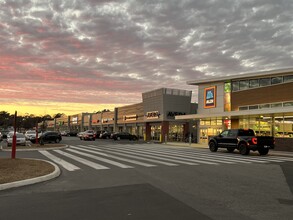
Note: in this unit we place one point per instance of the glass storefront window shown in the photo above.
(264, 81)
(235, 86)
(264, 106)
(277, 80)
(288, 104)
(288, 78)
(284, 126)
(243, 123)
(243, 84)
(276, 105)
(156, 132)
(288, 126)
(241, 108)
(253, 83)
(176, 132)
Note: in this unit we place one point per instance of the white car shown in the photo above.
(20, 139)
(31, 135)
(80, 134)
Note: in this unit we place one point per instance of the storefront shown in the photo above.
(160, 108)
(261, 101)
(152, 119)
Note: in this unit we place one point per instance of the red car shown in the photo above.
(88, 135)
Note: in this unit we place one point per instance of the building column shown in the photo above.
(164, 131)
(147, 132)
(186, 130)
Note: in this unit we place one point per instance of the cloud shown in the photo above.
(112, 51)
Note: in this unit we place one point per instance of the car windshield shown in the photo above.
(30, 132)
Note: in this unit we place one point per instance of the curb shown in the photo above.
(34, 149)
(34, 180)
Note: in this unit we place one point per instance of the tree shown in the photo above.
(5, 119)
(58, 115)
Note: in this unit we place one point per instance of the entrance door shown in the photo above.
(206, 133)
(156, 132)
(203, 136)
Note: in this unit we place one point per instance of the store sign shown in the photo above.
(152, 115)
(130, 117)
(173, 114)
(107, 120)
(95, 121)
(74, 120)
(210, 97)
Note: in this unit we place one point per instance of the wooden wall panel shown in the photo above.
(275, 93)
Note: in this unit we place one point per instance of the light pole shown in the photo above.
(13, 150)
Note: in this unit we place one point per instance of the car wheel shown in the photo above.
(94, 139)
(213, 146)
(243, 149)
(230, 149)
(57, 140)
(80, 138)
(118, 138)
(263, 151)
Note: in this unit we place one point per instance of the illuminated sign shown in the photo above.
(173, 114)
(74, 120)
(129, 117)
(152, 115)
(210, 97)
(107, 120)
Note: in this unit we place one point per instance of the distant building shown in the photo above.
(151, 119)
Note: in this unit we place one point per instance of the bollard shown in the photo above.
(189, 139)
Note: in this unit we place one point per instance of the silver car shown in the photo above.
(20, 139)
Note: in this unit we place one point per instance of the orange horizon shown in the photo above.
(52, 108)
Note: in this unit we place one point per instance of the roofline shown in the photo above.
(240, 76)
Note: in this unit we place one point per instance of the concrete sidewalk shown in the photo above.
(205, 146)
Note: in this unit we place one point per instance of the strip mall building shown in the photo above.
(261, 101)
(152, 119)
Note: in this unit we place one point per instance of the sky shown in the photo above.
(73, 56)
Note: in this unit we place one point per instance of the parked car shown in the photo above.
(105, 135)
(79, 134)
(64, 133)
(31, 135)
(243, 140)
(72, 133)
(20, 139)
(98, 133)
(49, 137)
(88, 135)
(124, 135)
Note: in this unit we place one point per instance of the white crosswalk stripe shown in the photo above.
(81, 160)
(63, 163)
(118, 158)
(99, 158)
(146, 155)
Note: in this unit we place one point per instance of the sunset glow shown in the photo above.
(83, 56)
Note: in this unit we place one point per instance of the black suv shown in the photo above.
(50, 136)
